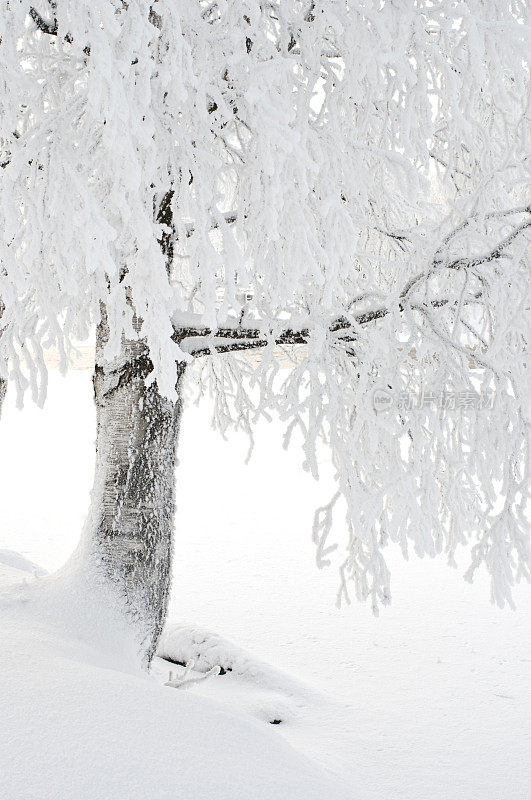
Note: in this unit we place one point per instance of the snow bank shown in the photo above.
(80, 721)
(184, 643)
(253, 686)
(11, 558)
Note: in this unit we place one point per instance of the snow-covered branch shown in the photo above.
(232, 336)
(45, 26)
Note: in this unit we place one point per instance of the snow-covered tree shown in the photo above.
(345, 182)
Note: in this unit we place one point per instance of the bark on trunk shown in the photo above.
(3, 389)
(133, 498)
(3, 382)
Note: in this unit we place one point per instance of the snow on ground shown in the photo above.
(432, 699)
(78, 723)
(10, 558)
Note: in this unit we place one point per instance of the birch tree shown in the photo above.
(343, 185)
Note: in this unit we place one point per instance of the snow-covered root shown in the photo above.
(181, 644)
(183, 679)
(251, 685)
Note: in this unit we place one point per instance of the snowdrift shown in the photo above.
(81, 721)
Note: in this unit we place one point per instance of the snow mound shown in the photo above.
(94, 730)
(181, 644)
(248, 684)
(10, 558)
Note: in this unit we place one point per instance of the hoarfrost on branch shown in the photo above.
(347, 180)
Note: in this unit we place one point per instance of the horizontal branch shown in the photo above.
(230, 338)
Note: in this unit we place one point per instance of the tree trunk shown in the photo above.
(3, 389)
(132, 507)
(3, 382)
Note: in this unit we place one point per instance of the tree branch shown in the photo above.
(228, 338)
(465, 263)
(51, 28)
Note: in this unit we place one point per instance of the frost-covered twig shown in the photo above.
(180, 681)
